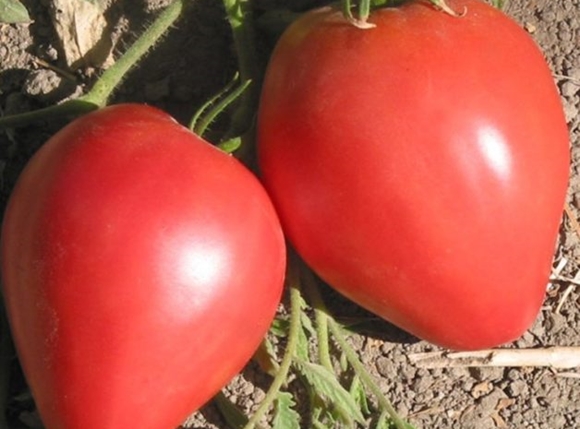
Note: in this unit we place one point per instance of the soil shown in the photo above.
(192, 63)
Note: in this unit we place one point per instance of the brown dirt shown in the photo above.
(196, 59)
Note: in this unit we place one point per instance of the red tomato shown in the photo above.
(141, 268)
(419, 167)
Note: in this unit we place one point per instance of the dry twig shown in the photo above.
(554, 357)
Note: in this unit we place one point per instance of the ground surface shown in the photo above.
(191, 64)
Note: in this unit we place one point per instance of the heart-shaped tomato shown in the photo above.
(141, 268)
(419, 167)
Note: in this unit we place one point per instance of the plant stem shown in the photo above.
(251, 68)
(441, 4)
(359, 21)
(114, 75)
(365, 377)
(282, 375)
(99, 95)
(364, 10)
(201, 127)
(321, 317)
(352, 357)
(68, 108)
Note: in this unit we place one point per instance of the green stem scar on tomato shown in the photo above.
(141, 268)
(419, 167)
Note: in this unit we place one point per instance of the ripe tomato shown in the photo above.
(419, 167)
(141, 268)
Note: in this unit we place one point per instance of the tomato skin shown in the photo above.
(419, 167)
(141, 269)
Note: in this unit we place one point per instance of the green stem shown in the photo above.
(201, 127)
(352, 357)
(364, 10)
(99, 95)
(359, 21)
(321, 317)
(241, 20)
(365, 377)
(441, 4)
(282, 375)
(114, 75)
(68, 108)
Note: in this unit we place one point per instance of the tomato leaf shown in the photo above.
(265, 357)
(233, 416)
(343, 362)
(302, 352)
(357, 392)
(280, 327)
(13, 12)
(302, 348)
(384, 422)
(307, 324)
(285, 417)
(327, 386)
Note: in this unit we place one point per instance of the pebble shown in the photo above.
(47, 86)
(569, 89)
(517, 388)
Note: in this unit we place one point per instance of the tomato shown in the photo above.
(141, 268)
(419, 167)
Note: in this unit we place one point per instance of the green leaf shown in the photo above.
(302, 347)
(233, 416)
(384, 422)
(307, 324)
(13, 12)
(325, 384)
(266, 358)
(343, 362)
(280, 327)
(285, 417)
(358, 393)
(319, 425)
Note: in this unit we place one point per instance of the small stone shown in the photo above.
(530, 28)
(569, 89)
(47, 86)
(489, 402)
(571, 111)
(481, 389)
(258, 396)
(386, 367)
(513, 374)
(517, 388)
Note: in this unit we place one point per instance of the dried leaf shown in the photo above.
(13, 12)
(83, 32)
(266, 358)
